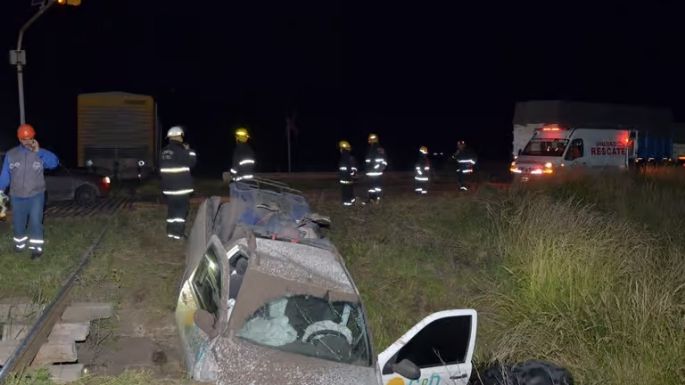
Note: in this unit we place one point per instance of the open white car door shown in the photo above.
(438, 350)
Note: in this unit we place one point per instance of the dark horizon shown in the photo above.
(415, 75)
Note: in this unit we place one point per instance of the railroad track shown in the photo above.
(37, 335)
(106, 206)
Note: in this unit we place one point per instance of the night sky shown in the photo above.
(413, 72)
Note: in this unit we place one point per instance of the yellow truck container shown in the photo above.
(117, 134)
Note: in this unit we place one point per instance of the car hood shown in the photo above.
(247, 364)
(81, 175)
(538, 160)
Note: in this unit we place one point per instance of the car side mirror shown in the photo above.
(407, 369)
(206, 322)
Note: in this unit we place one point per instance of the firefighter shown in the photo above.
(243, 164)
(347, 170)
(22, 171)
(375, 165)
(176, 161)
(465, 160)
(421, 172)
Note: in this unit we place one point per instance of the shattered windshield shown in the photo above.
(550, 147)
(311, 326)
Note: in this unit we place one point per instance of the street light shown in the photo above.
(18, 56)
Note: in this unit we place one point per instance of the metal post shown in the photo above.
(287, 134)
(20, 82)
(19, 57)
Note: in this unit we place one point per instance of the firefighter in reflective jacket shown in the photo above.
(347, 169)
(465, 160)
(375, 165)
(242, 167)
(421, 171)
(176, 161)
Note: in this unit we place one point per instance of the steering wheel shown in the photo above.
(326, 328)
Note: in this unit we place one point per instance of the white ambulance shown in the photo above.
(554, 148)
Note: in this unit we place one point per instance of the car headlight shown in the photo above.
(141, 163)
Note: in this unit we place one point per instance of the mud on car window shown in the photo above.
(311, 326)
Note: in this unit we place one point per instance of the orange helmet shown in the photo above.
(26, 131)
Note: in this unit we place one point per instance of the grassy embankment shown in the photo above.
(588, 272)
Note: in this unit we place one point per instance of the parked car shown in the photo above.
(80, 185)
(63, 184)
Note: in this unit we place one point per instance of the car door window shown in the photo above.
(443, 342)
(576, 150)
(237, 263)
(206, 282)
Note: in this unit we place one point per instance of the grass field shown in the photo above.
(66, 239)
(588, 272)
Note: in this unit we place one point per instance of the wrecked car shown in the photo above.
(265, 298)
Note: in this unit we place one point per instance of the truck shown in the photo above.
(118, 134)
(588, 135)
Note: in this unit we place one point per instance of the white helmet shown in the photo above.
(174, 131)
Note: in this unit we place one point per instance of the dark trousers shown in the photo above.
(28, 211)
(460, 177)
(177, 210)
(375, 187)
(420, 186)
(347, 192)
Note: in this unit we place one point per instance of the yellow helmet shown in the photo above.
(373, 138)
(423, 150)
(241, 135)
(344, 145)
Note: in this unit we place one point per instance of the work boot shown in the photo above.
(36, 254)
(18, 249)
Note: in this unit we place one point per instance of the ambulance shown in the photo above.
(555, 148)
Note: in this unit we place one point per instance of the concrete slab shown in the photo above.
(64, 374)
(85, 312)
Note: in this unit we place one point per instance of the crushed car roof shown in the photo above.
(303, 263)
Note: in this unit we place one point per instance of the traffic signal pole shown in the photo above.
(18, 57)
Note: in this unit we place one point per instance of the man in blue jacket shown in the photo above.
(22, 171)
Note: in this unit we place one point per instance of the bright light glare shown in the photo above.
(212, 265)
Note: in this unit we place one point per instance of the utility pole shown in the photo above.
(18, 56)
(290, 127)
(287, 138)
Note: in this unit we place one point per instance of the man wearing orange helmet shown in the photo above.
(22, 171)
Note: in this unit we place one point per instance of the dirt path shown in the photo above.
(137, 269)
